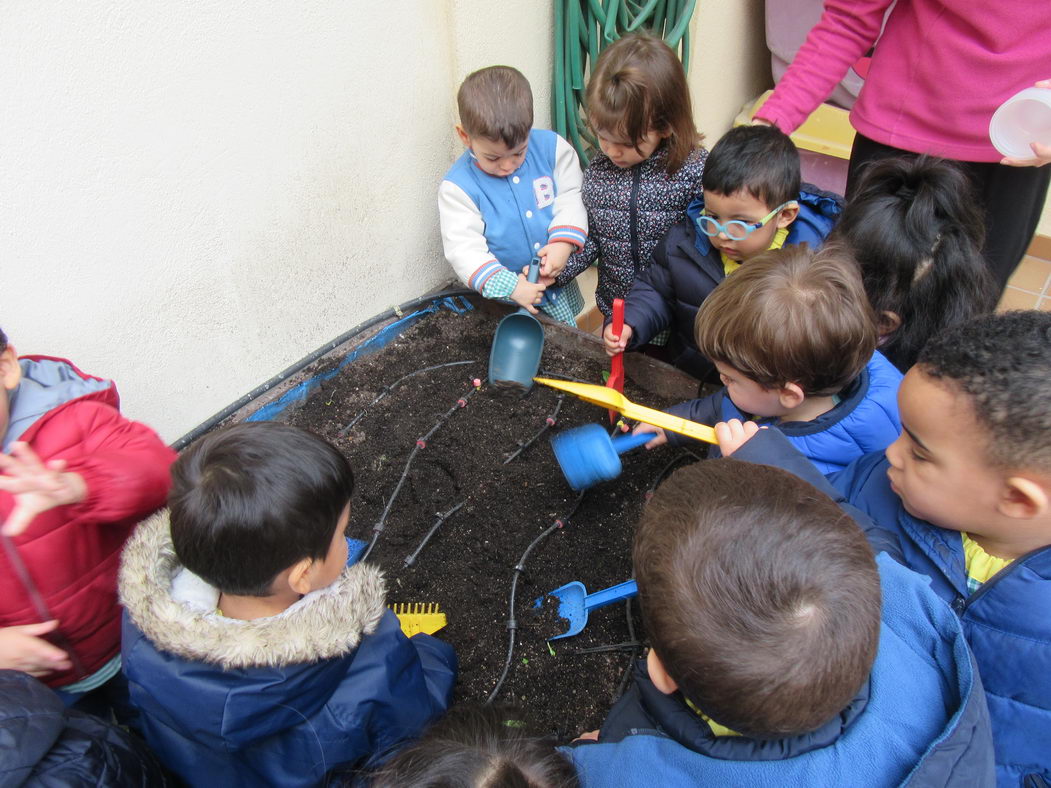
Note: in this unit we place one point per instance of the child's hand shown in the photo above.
(553, 259)
(526, 294)
(22, 649)
(615, 345)
(36, 487)
(734, 434)
(589, 736)
(660, 437)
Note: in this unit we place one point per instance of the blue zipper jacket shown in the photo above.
(1007, 621)
(921, 720)
(685, 270)
(865, 419)
(330, 683)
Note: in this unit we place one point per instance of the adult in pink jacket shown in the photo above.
(75, 478)
(938, 72)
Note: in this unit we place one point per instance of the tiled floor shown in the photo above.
(1030, 287)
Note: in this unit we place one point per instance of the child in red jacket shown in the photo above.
(75, 477)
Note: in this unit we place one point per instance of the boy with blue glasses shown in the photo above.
(752, 202)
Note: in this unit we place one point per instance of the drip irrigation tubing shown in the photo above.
(411, 559)
(282, 376)
(388, 389)
(549, 422)
(421, 443)
(512, 624)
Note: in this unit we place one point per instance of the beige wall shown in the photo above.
(193, 196)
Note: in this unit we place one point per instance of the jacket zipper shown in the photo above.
(633, 210)
(960, 604)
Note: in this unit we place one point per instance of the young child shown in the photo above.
(478, 747)
(77, 476)
(513, 194)
(752, 202)
(771, 663)
(254, 654)
(794, 341)
(650, 166)
(966, 489)
(915, 230)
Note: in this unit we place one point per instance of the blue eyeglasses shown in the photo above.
(735, 229)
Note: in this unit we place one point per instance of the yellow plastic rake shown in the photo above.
(416, 617)
(614, 400)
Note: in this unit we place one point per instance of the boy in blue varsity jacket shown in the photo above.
(794, 340)
(752, 202)
(513, 194)
(967, 491)
(782, 652)
(255, 654)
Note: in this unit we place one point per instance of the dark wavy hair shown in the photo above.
(478, 747)
(914, 227)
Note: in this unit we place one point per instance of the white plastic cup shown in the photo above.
(1022, 119)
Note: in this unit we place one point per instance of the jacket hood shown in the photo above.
(323, 625)
(818, 213)
(46, 384)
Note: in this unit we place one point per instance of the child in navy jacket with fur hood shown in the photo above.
(256, 656)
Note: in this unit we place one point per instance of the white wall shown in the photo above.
(194, 195)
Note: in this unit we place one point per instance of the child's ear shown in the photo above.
(887, 323)
(658, 675)
(1023, 498)
(300, 575)
(465, 138)
(10, 370)
(788, 215)
(791, 395)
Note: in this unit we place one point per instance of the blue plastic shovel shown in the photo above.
(588, 455)
(517, 345)
(574, 603)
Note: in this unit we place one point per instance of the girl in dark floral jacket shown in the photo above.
(650, 167)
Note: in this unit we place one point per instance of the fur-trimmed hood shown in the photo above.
(323, 625)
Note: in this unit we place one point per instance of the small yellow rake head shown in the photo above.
(416, 617)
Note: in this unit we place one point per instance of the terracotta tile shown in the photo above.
(1045, 304)
(1032, 274)
(1013, 298)
(1041, 247)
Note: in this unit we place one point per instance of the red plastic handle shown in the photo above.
(618, 316)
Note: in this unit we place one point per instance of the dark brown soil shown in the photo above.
(468, 565)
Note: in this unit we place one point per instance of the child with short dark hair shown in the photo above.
(771, 662)
(513, 194)
(75, 478)
(255, 654)
(913, 226)
(966, 489)
(752, 202)
(793, 340)
(478, 747)
(649, 166)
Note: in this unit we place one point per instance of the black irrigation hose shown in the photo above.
(280, 377)
(388, 389)
(411, 559)
(547, 374)
(627, 645)
(421, 443)
(549, 422)
(512, 624)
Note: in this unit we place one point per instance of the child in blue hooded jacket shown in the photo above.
(966, 491)
(256, 656)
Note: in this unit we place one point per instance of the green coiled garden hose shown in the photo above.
(583, 28)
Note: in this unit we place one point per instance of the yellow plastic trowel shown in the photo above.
(416, 617)
(614, 400)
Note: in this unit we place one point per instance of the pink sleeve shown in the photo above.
(845, 32)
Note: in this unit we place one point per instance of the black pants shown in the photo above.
(1012, 199)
